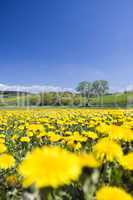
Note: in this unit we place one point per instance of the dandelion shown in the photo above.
(14, 137)
(78, 146)
(11, 180)
(49, 166)
(90, 134)
(25, 139)
(54, 137)
(127, 161)
(88, 160)
(3, 148)
(6, 161)
(106, 150)
(2, 140)
(30, 134)
(110, 193)
(2, 136)
(35, 128)
(120, 133)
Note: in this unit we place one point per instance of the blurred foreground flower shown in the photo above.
(106, 150)
(127, 161)
(3, 148)
(110, 193)
(6, 161)
(49, 166)
(88, 160)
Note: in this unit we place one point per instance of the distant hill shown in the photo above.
(12, 93)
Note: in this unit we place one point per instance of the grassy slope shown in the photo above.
(118, 99)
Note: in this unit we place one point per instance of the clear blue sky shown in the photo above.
(62, 42)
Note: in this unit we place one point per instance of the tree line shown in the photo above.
(82, 96)
(96, 88)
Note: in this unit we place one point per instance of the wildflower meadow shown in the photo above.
(70, 154)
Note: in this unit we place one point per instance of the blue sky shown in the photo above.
(62, 42)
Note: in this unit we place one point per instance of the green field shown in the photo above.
(114, 100)
(111, 100)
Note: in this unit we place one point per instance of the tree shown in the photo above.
(100, 87)
(85, 88)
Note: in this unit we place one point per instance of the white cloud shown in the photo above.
(129, 88)
(33, 88)
(121, 88)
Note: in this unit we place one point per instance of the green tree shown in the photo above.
(100, 87)
(85, 88)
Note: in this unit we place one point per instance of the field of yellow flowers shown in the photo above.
(66, 154)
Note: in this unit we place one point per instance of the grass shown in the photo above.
(124, 100)
(114, 100)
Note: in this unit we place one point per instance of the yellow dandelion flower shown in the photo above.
(54, 137)
(21, 127)
(2, 136)
(127, 161)
(42, 134)
(25, 139)
(14, 137)
(78, 146)
(11, 180)
(78, 138)
(67, 133)
(120, 133)
(74, 145)
(90, 134)
(110, 193)
(35, 128)
(2, 140)
(6, 161)
(103, 128)
(3, 148)
(49, 166)
(30, 134)
(106, 150)
(88, 160)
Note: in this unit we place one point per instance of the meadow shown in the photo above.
(124, 100)
(66, 154)
(68, 99)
